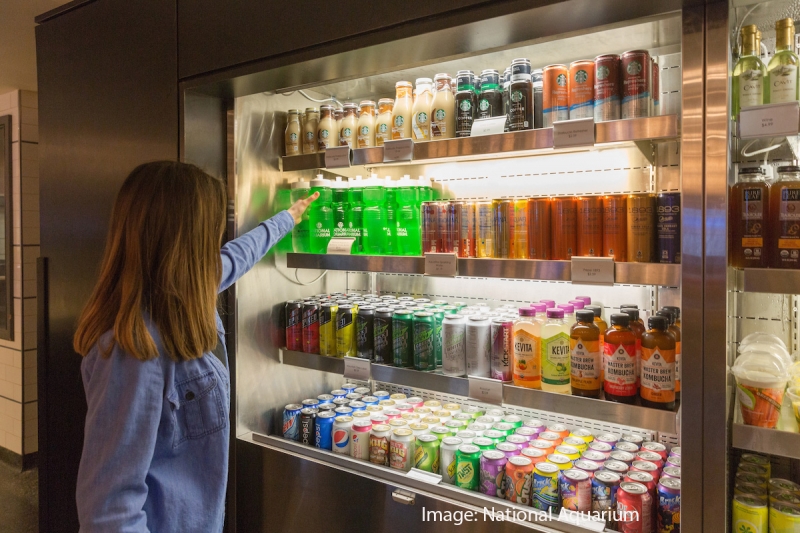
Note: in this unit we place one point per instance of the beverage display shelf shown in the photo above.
(763, 440)
(658, 128)
(769, 280)
(666, 275)
(564, 404)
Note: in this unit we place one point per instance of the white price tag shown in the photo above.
(427, 477)
(443, 265)
(488, 126)
(582, 520)
(579, 132)
(341, 245)
(337, 157)
(593, 270)
(400, 150)
(357, 368)
(770, 120)
(486, 390)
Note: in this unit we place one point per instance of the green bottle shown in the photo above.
(425, 190)
(438, 339)
(300, 234)
(354, 216)
(373, 237)
(407, 234)
(749, 73)
(390, 188)
(339, 205)
(782, 69)
(320, 217)
(282, 203)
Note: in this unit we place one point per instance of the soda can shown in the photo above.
(636, 79)
(476, 412)
(559, 429)
(502, 348)
(451, 233)
(560, 460)
(357, 405)
(423, 341)
(441, 432)
(784, 517)
(622, 456)
(310, 402)
(484, 215)
(749, 514)
(595, 457)
(575, 489)
(426, 453)
(308, 416)
(478, 346)
(343, 411)
(539, 228)
(590, 226)
(634, 507)
(604, 494)
(545, 487)
(379, 444)
(590, 467)
(618, 467)
(536, 456)
(326, 407)
(646, 479)
(466, 436)
(392, 414)
(468, 467)
(365, 332)
(551, 436)
(323, 430)
(602, 446)
(468, 230)
(606, 88)
(402, 344)
(438, 332)
(526, 433)
(340, 438)
(669, 506)
(345, 338)
(454, 361)
(638, 440)
(363, 391)
(294, 325)
(626, 447)
(327, 329)
(555, 94)
(509, 450)
(310, 327)
(517, 440)
(291, 421)
(675, 451)
(503, 214)
(338, 393)
(670, 471)
(401, 449)
(504, 428)
(359, 439)
(447, 458)
(581, 89)
(655, 447)
(668, 227)
(340, 402)
(483, 443)
(571, 452)
(576, 442)
(653, 457)
(382, 328)
(518, 480)
(354, 396)
(493, 464)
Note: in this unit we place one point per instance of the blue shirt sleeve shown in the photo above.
(125, 399)
(240, 254)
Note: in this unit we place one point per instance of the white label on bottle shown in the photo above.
(750, 88)
(783, 84)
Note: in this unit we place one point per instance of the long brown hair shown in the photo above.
(162, 258)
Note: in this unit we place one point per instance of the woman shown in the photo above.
(155, 452)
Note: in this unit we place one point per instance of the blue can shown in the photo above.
(310, 402)
(338, 393)
(354, 397)
(357, 406)
(291, 421)
(370, 400)
(668, 227)
(324, 429)
(604, 492)
(325, 398)
(349, 387)
(343, 411)
(380, 395)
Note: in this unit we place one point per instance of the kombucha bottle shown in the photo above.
(671, 314)
(401, 111)
(521, 249)
(555, 353)
(590, 226)
(603, 326)
(619, 361)
(638, 329)
(749, 213)
(658, 365)
(615, 227)
(527, 368)
(641, 228)
(784, 213)
(539, 228)
(563, 223)
(585, 356)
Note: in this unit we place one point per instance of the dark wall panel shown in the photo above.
(107, 101)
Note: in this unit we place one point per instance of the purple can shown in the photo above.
(671, 471)
(508, 449)
(601, 447)
(675, 451)
(590, 467)
(595, 457)
(632, 438)
(575, 488)
(493, 467)
(624, 457)
(518, 440)
(626, 447)
(674, 461)
(527, 433)
(607, 438)
(668, 506)
(537, 425)
(502, 338)
(668, 227)
(291, 421)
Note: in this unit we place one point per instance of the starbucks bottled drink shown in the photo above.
(421, 113)
(749, 213)
(327, 132)
(490, 102)
(658, 365)
(555, 356)
(310, 123)
(402, 111)
(466, 102)
(294, 133)
(366, 124)
(585, 356)
(619, 361)
(443, 112)
(563, 223)
(348, 130)
(784, 214)
(383, 124)
(520, 96)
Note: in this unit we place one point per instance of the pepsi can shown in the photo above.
(349, 387)
(343, 411)
(324, 429)
(338, 393)
(325, 398)
(369, 400)
(340, 438)
(381, 395)
(668, 227)
(291, 421)
(357, 406)
(310, 402)
(307, 423)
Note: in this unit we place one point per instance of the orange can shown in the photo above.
(539, 228)
(555, 94)
(615, 227)
(590, 226)
(563, 223)
(581, 89)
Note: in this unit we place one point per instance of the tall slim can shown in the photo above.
(539, 228)
(615, 227)
(641, 228)
(564, 226)
(590, 226)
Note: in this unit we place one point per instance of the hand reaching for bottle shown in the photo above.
(300, 206)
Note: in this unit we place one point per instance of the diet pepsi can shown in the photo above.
(324, 429)
(340, 438)
(291, 421)
(668, 227)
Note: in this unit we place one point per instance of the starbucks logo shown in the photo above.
(561, 80)
(422, 117)
(310, 135)
(602, 73)
(440, 114)
(398, 121)
(581, 76)
(347, 132)
(383, 128)
(323, 134)
(364, 130)
(516, 96)
(465, 105)
(484, 105)
(634, 67)
(292, 137)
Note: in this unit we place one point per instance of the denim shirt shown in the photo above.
(155, 451)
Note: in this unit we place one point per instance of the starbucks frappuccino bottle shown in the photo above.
(366, 124)
(401, 112)
(421, 125)
(294, 133)
(349, 127)
(383, 124)
(310, 123)
(327, 134)
(443, 120)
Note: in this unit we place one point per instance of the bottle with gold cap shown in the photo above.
(782, 69)
(749, 73)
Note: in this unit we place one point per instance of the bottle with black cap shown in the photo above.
(658, 365)
(619, 361)
(598, 319)
(784, 214)
(585, 356)
(675, 330)
(638, 329)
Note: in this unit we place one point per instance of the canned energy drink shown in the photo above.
(311, 327)
(431, 232)
(668, 227)
(454, 361)
(641, 228)
(581, 89)
(382, 329)
(493, 466)
(503, 213)
(345, 337)
(636, 80)
(502, 336)
(606, 88)
(365, 332)
(294, 325)
(575, 487)
(424, 328)
(327, 329)
(590, 226)
(451, 238)
(539, 228)
(402, 344)
(555, 94)
(484, 215)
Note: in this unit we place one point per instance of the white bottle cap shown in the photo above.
(389, 183)
(301, 184)
(339, 183)
(320, 182)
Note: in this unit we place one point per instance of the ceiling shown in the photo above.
(18, 42)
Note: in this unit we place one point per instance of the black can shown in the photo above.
(308, 418)
(466, 102)
(520, 99)
(382, 327)
(365, 332)
(490, 102)
(668, 227)
(538, 102)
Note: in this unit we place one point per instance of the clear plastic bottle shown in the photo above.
(383, 124)
(300, 233)
(294, 133)
(526, 367)
(555, 353)
(390, 204)
(421, 124)
(443, 116)
(407, 233)
(402, 111)
(320, 217)
(340, 205)
(374, 238)
(354, 216)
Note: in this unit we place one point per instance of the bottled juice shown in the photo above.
(615, 227)
(563, 223)
(294, 133)
(526, 369)
(348, 129)
(466, 102)
(784, 214)
(443, 112)
(320, 217)
(407, 234)
(366, 124)
(539, 228)
(672, 314)
(383, 124)
(638, 329)
(327, 132)
(421, 115)
(585, 356)
(521, 248)
(503, 228)
(658, 365)
(401, 111)
(310, 123)
(390, 205)
(373, 236)
(590, 226)
(641, 228)
(354, 216)
(555, 353)
(300, 233)
(485, 218)
(619, 361)
(749, 213)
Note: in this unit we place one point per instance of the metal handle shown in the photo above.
(404, 497)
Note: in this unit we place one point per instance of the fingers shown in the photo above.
(311, 198)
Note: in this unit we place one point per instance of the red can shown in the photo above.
(451, 237)
(634, 508)
(656, 447)
(431, 213)
(590, 226)
(539, 228)
(645, 466)
(636, 84)
(466, 247)
(564, 226)
(294, 325)
(649, 481)
(310, 327)
(653, 457)
(606, 88)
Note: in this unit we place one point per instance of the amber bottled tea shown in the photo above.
(564, 226)
(641, 228)
(658, 365)
(590, 226)
(784, 217)
(672, 314)
(619, 361)
(749, 213)
(638, 329)
(585, 356)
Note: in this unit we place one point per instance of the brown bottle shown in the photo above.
(563, 223)
(585, 356)
(784, 217)
(539, 228)
(749, 213)
(658, 365)
(598, 319)
(619, 361)
(615, 227)
(590, 226)
(673, 313)
(638, 329)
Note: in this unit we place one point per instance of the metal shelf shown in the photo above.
(772, 280)
(637, 130)
(533, 269)
(769, 441)
(312, 361)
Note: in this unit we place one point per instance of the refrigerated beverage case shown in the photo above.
(564, 226)
(327, 132)
(466, 102)
(619, 361)
(526, 366)
(320, 217)
(294, 325)
(749, 213)
(402, 111)
(402, 341)
(521, 226)
(555, 358)
(581, 89)
(635, 84)
(294, 133)
(310, 123)
(485, 218)
(468, 230)
(658, 365)
(421, 110)
(784, 212)
(365, 332)
(586, 357)
(590, 226)
(782, 68)
(454, 354)
(478, 346)
(490, 101)
(615, 227)
(502, 335)
(366, 124)
(539, 228)
(354, 215)
(521, 104)
(345, 336)
(641, 228)
(348, 129)
(606, 87)
(443, 116)
(424, 328)
(668, 227)
(383, 123)
(503, 228)
(373, 236)
(301, 231)
(555, 94)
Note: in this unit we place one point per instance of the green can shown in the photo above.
(426, 453)
(345, 336)
(402, 346)
(424, 331)
(441, 432)
(460, 305)
(439, 303)
(483, 443)
(450, 309)
(495, 436)
(502, 427)
(468, 466)
(327, 329)
(438, 316)
(474, 411)
(514, 420)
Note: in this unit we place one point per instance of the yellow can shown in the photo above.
(777, 484)
(568, 451)
(560, 460)
(583, 434)
(753, 458)
(750, 479)
(784, 518)
(327, 329)
(792, 498)
(750, 468)
(749, 514)
(748, 489)
(576, 442)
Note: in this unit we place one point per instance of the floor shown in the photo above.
(19, 500)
